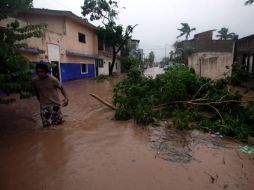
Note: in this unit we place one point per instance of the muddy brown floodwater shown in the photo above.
(92, 151)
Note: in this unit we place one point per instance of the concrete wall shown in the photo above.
(211, 64)
(105, 69)
(54, 23)
(72, 30)
(62, 32)
(244, 52)
(72, 71)
(208, 35)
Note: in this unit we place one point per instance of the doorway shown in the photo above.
(54, 59)
(55, 69)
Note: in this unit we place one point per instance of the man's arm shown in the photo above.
(66, 100)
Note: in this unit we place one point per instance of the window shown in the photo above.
(99, 62)
(84, 69)
(81, 37)
(100, 44)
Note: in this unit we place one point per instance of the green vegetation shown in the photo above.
(15, 69)
(239, 74)
(101, 78)
(185, 30)
(113, 34)
(223, 34)
(189, 101)
(128, 62)
(249, 2)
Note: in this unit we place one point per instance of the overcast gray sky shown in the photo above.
(158, 20)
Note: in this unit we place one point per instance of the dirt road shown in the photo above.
(92, 151)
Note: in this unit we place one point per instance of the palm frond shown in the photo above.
(249, 2)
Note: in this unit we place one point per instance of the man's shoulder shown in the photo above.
(54, 81)
(52, 78)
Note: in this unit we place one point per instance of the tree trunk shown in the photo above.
(111, 67)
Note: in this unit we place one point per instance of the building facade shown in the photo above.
(209, 58)
(69, 42)
(244, 52)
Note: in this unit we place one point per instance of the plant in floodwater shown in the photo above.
(239, 74)
(122, 114)
(101, 78)
(190, 101)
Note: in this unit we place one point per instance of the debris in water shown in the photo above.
(212, 178)
(217, 134)
(247, 149)
(225, 186)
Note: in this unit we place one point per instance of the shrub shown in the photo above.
(137, 97)
(101, 78)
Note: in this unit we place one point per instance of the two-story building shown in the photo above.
(244, 52)
(105, 54)
(209, 58)
(69, 42)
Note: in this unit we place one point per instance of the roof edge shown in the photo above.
(69, 14)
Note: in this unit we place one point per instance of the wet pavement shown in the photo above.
(92, 151)
(153, 71)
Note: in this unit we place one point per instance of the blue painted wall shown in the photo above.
(72, 71)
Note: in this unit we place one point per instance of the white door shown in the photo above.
(54, 57)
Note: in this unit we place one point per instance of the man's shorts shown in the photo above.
(51, 115)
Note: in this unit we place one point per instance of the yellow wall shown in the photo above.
(54, 23)
(72, 29)
(63, 32)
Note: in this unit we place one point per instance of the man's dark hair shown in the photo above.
(42, 66)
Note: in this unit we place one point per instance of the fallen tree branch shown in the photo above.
(222, 120)
(103, 101)
(222, 102)
(209, 82)
(176, 102)
(195, 102)
(198, 102)
(201, 89)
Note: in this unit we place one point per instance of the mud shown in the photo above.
(92, 151)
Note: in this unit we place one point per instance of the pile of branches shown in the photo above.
(191, 102)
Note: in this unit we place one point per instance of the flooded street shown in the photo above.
(92, 151)
(153, 71)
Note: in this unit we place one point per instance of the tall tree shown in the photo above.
(223, 34)
(151, 57)
(15, 70)
(113, 34)
(185, 30)
(249, 2)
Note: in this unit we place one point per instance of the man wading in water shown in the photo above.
(46, 88)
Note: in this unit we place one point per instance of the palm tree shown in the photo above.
(185, 30)
(249, 2)
(223, 34)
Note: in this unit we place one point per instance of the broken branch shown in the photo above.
(103, 101)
